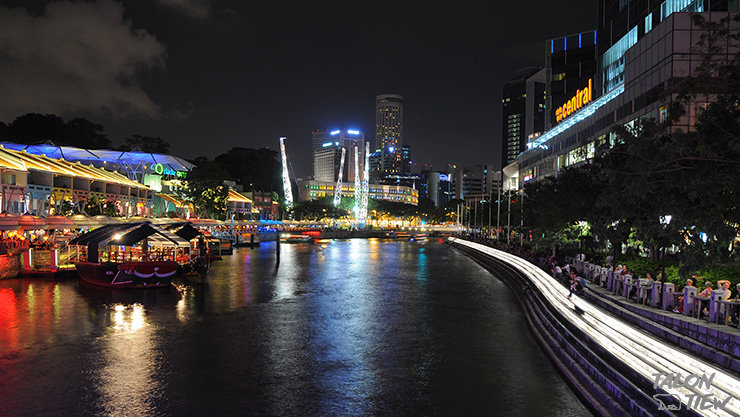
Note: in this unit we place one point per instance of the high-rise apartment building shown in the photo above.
(475, 180)
(523, 102)
(435, 185)
(389, 132)
(331, 139)
(326, 162)
(406, 159)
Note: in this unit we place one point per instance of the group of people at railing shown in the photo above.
(716, 306)
(10, 245)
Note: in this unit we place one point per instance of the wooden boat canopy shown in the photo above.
(126, 235)
(183, 229)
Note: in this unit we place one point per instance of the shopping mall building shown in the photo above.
(643, 47)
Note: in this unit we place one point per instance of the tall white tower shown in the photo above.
(338, 188)
(287, 189)
(365, 184)
(358, 189)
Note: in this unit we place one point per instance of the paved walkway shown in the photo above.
(716, 342)
(649, 341)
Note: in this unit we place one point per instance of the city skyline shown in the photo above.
(230, 74)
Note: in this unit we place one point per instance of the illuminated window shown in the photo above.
(649, 23)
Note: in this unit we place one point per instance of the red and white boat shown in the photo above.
(145, 274)
(134, 255)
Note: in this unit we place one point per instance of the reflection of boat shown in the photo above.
(133, 255)
(296, 239)
(402, 236)
(242, 241)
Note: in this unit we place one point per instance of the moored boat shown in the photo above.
(296, 239)
(134, 255)
(402, 236)
(247, 240)
(144, 274)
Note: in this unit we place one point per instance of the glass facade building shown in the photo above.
(570, 62)
(348, 139)
(642, 48)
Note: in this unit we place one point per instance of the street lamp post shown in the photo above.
(508, 224)
(664, 221)
(490, 200)
(521, 219)
(498, 212)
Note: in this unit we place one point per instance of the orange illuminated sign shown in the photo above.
(576, 102)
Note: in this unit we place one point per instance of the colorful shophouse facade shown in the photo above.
(41, 185)
(137, 183)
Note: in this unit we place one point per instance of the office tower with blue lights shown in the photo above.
(570, 63)
(326, 148)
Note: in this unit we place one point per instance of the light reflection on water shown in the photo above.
(129, 361)
(342, 327)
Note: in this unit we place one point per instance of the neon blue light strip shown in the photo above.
(577, 117)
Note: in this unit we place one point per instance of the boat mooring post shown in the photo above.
(277, 248)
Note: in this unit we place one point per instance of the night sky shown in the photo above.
(209, 75)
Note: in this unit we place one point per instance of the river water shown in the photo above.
(341, 327)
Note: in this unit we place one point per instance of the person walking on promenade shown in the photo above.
(573, 285)
(583, 286)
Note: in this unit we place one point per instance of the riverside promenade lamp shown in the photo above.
(664, 221)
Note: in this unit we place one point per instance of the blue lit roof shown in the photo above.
(99, 156)
(577, 117)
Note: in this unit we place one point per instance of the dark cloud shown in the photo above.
(193, 8)
(75, 57)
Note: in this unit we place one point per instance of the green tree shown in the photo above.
(317, 209)
(4, 132)
(663, 170)
(146, 144)
(32, 128)
(426, 209)
(82, 133)
(255, 169)
(205, 188)
(448, 212)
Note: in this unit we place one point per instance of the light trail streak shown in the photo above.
(645, 353)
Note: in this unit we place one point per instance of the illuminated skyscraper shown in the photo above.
(523, 102)
(389, 132)
(332, 140)
(570, 63)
